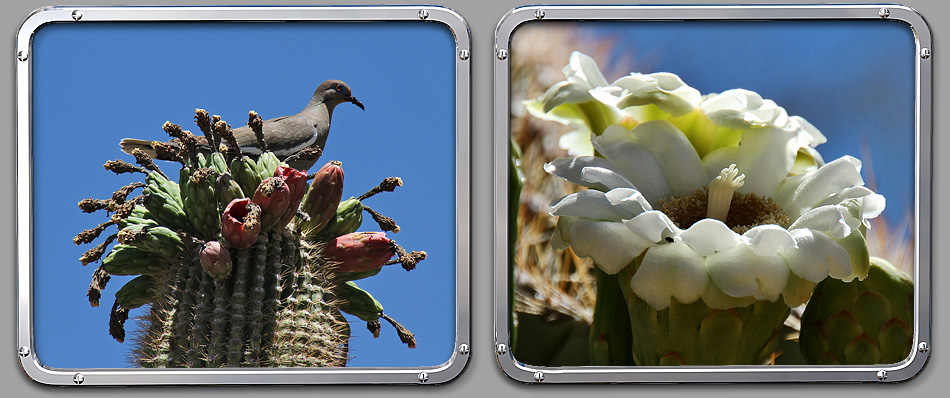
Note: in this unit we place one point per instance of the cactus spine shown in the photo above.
(223, 288)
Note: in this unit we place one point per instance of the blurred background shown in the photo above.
(853, 80)
(96, 83)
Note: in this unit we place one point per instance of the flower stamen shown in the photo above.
(720, 192)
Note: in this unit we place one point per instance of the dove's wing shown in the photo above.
(284, 136)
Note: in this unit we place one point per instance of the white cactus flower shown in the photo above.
(587, 103)
(761, 219)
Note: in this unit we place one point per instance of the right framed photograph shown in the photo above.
(713, 193)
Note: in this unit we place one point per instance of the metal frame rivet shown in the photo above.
(501, 349)
(502, 54)
(77, 15)
(539, 14)
(78, 378)
(923, 347)
(884, 13)
(464, 54)
(538, 377)
(22, 55)
(925, 53)
(423, 14)
(464, 349)
(881, 374)
(423, 377)
(24, 351)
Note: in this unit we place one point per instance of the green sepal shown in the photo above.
(128, 260)
(359, 303)
(349, 216)
(136, 292)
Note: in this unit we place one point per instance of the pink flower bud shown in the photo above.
(324, 195)
(274, 197)
(216, 260)
(240, 223)
(296, 181)
(359, 251)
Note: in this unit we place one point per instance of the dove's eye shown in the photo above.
(339, 87)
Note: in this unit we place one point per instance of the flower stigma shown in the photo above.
(720, 192)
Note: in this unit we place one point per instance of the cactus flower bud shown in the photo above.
(360, 251)
(240, 223)
(216, 260)
(324, 195)
(274, 197)
(296, 181)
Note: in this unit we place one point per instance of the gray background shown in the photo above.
(482, 377)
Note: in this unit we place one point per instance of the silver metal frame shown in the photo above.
(410, 375)
(901, 371)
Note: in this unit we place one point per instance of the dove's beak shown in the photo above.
(356, 102)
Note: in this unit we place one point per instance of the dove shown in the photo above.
(286, 135)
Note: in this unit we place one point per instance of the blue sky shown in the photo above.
(96, 83)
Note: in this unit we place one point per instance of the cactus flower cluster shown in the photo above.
(243, 262)
(714, 213)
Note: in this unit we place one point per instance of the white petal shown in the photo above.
(817, 256)
(765, 157)
(742, 109)
(576, 143)
(734, 271)
(609, 244)
(583, 68)
(590, 204)
(603, 177)
(667, 271)
(561, 238)
(628, 199)
(564, 93)
(572, 169)
(860, 201)
(636, 163)
(665, 90)
(831, 178)
(708, 236)
(769, 240)
(719, 159)
(808, 133)
(831, 219)
(653, 226)
(678, 159)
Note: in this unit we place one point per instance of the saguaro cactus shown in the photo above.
(234, 274)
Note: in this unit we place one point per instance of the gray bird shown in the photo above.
(284, 136)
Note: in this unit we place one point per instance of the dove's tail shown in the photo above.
(129, 144)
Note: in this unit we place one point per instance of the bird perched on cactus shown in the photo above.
(234, 271)
(284, 136)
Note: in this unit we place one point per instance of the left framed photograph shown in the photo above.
(216, 240)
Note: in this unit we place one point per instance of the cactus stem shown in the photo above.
(388, 184)
(91, 234)
(311, 153)
(94, 254)
(99, 279)
(117, 319)
(120, 167)
(405, 335)
(92, 205)
(408, 260)
(385, 223)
